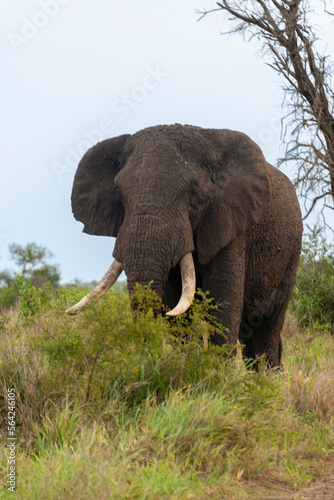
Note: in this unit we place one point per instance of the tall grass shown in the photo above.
(112, 407)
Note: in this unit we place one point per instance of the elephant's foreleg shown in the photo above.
(224, 276)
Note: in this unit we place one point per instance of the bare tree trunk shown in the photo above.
(290, 39)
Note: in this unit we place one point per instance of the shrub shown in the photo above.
(102, 356)
(313, 296)
(8, 296)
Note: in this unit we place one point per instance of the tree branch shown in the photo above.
(290, 39)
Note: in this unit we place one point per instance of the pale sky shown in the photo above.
(76, 72)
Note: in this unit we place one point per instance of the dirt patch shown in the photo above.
(317, 490)
(320, 490)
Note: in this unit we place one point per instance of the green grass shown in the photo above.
(109, 407)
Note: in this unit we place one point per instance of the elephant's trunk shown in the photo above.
(188, 277)
(147, 247)
(188, 287)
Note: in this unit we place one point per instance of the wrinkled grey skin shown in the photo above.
(169, 190)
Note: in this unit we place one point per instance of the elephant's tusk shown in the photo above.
(100, 289)
(188, 285)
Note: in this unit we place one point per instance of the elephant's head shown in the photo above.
(165, 192)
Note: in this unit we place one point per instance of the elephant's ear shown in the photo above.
(95, 201)
(241, 191)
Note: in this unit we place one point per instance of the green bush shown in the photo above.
(313, 296)
(8, 296)
(31, 262)
(105, 353)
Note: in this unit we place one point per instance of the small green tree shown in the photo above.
(32, 260)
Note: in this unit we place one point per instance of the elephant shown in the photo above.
(191, 207)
